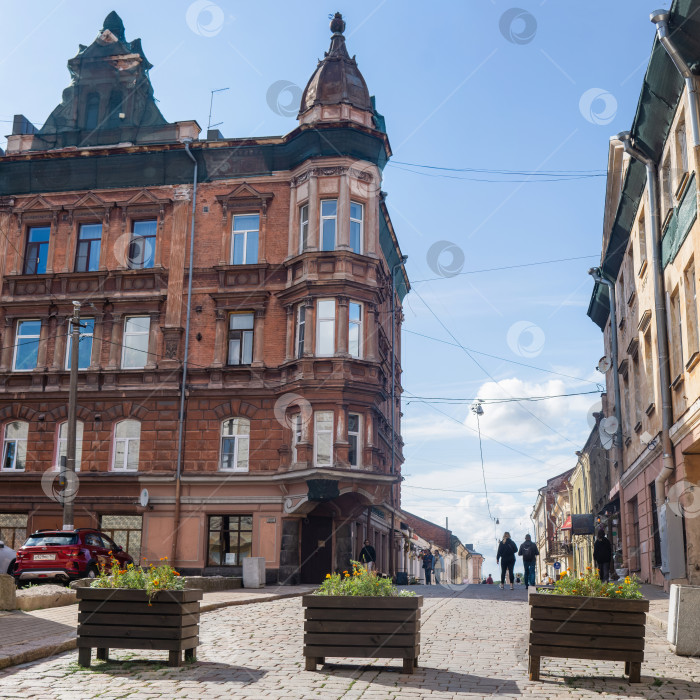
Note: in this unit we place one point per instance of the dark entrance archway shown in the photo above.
(316, 548)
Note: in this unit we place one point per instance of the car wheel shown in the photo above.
(92, 571)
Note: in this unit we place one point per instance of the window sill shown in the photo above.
(678, 381)
(642, 269)
(650, 408)
(234, 471)
(694, 359)
(632, 297)
(638, 427)
(680, 190)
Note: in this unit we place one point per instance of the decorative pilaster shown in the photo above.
(97, 335)
(309, 327)
(290, 345)
(7, 344)
(43, 342)
(314, 216)
(219, 338)
(343, 321)
(115, 341)
(343, 220)
(371, 340)
(60, 334)
(152, 358)
(258, 337)
(294, 244)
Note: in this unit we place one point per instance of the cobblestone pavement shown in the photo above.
(473, 646)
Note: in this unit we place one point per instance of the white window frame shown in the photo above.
(303, 227)
(360, 221)
(62, 442)
(125, 342)
(245, 233)
(328, 217)
(69, 342)
(358, 435)
(237, 438)
(318, 432)
(358, 324)
(5, 442)
(127, 441)
(324, 319)
(20, 321)
(300, 331)
(245, 333)
(296, 435)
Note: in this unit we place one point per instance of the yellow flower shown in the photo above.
(156, 582)
(628, 579)
(328, 575)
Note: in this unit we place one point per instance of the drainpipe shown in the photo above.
(183, 386)
(393, 400)
(661, 325)
(660, 19)
(597, 274)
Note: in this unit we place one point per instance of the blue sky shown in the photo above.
(462, 85)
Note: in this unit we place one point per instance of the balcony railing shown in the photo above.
(558, 549)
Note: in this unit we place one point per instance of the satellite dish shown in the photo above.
(143, 500)
(606, 430)
(604, 364)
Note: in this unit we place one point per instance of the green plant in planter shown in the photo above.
(152, 579)
(360, 583)
(590, 585)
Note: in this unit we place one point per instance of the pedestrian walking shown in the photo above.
(427, 565)
(368, 556)
(438, 565)
(529, 551)
(506, 555)
(602, 554)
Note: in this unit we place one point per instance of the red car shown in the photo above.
(64, 555)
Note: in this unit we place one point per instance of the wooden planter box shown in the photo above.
(362, 626)
(121, 618)
(576, 627)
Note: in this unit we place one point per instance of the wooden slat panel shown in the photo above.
(586, 641)
(602, 616)
(100, 618)
(378, 627)
(363, 652)
(366, 602)
(569, 627)
(581, 653)
(579, 603)
(375, 640)
(125, 594)
(116, 643)
(352, 615)
(137, 608)
(134, 632)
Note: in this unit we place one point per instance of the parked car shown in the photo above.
(7, 558)
(65, 555)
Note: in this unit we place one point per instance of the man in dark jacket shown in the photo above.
(506, 555)
(428, 563)
(528, 551)
(602, 554)
(368, 556)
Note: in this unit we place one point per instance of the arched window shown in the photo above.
(114, 108)
(92, 110)
(14, 446)
(235, 439)
(127, 439)
(62, 447)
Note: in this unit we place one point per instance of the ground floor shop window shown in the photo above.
(125, 530)
(13, 529)
(230, 539)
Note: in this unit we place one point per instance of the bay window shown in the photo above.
(323, 438)
(356, 227)
(329, 220)
(325, 327)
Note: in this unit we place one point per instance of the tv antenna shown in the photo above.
(211, 104)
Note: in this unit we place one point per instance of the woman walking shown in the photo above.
(506, 555)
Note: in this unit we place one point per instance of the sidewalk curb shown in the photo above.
(59, 647)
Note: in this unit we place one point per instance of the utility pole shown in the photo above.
(68, 471)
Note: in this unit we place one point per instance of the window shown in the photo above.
(230, 539)
(354, 439)
(300, 330)
(676, 333)
(642, 236)
(87, 255)
(329, 216)
(127, 438)
(114, 108)
(37, 251)
(303, 227)
(356, 211)
(62, 450)
(630, 275)
(14, 446)
(355, 330)
(325, 327)
(84, 344)
(125, 530)
(135, 345)
(323, 438)
(27, 345)
(92, 110)
(296, 435)
(235, 439)
(240, 339)
(246, 229)
(620, 299)
(691, 309)
(142, 247)
(638, 408)
(648, 368)
(681, 153)
(666, 196)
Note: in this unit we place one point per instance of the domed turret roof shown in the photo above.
(337, 79)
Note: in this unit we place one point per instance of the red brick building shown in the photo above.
(287, 422)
